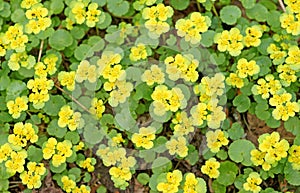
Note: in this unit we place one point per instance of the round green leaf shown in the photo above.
(229, 14)
(118, 7)
(60, 39)
(52, 107)
(180, 4)
(242, 102)
(143, 178)
(258, 12)
(239, 151)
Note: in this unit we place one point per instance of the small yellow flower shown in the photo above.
(211, 168)
(252, 183)
(144, 138)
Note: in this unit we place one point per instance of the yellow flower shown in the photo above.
(154, 75)
(67, 79)
(144, 138)
(190, 184)
(49, 148)
(68, 184)
(183, 124)
(122, 173)
(88, 164)
(79, 12)
(5, 151)
(178, 146)
(97, 107)
(120, 93)
(216, 139)
(85, 71)
(246, 68)
(27, 4)
(14, 38)
(17, 161)
(82, 189)
(252, 183)
(138, 52)
(16, 60)
(182, 66)
(253, 35)
(22, 133)
(234, 80)
(17, 106)
(156, 28)
(294, 156)
(92, 15)
(230, 41)
(173, 181)
(211, 168)
(199, 113)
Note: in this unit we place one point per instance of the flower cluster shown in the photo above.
(271, 150)
(192, 27)
(167, 100)
(284, 107)
(15, 107)
(69, 185)
(177, 145)
(245, 68)
(123, 166)
(40, 88)
(171, 183)
(207, 109)
(22, 133)
(193, 184)
(291, 19)
(144, 138)
(97, 107)
(5, 151)
(277, 53)
(48, 66)
(111, 70)
(211, 168)
(86, 71)
(267, 86)
(14, 38)
(67, 79)
(252, 183)
(294, 156)
(231, 41)
(84, 12)
(182, 124)
(67, 117)
(216, 139)
(88, 164)
(182, 66)
(32, 177)
(16, 162)
(156, 19)
(58, 151)
(253, 35)
(38, 18)
(21, 59)
(138, 52)
(154, 75)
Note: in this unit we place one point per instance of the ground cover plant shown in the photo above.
(185, 96)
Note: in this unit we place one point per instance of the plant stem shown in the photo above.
(41, 50)
(73, 99)
(282, 5)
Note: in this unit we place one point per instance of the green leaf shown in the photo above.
(236, 131)
(107, 21)
(291, 175)
(161, 165)
(118, 7)
(222, 154)
(18, 16)
(229, 14)
(6, 10)
(273, 123)
(77, 32)
(34, 154)
(242, 102)
(58, 169)
(72, 136)
(54, 130)
(248, 4)
(193, 157)
(4, 184)
(4, 82)
(143, 178)
(228, 171)
(258, 12)
(101, 189)
(273, 19)
(56, 6)
(241, 155)
(207, 39)
(159, 144)
(147, 155)
(218, 188)
(60, 39)
(75, 172)
(92, 134)
(180, 4)
(52, 107)
(83, 51)
(14, 89)
(161, 119)
(292, 125)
